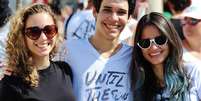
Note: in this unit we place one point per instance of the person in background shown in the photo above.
(191, 24)
(4, 25)
(85, 23)
(128, 34)
(40, 1)
(80, 6)
(32, 42)
(157, 70)
(176, 7)
(100, 64)
(5, 14)
(142, 8)
(61, 10)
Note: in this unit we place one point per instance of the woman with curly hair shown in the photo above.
(32, 42)
(157, 70)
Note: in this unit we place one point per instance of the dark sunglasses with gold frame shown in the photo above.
(35, 32)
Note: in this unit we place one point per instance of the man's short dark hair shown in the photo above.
(131, 4)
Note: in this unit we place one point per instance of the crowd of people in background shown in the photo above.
(5, 15)
(100, 50)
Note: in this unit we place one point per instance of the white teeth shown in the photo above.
(42, 45)
(155, 54)
(112, 26)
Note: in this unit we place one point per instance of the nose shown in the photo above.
(43, 36)
(114, 17)
(153, 46)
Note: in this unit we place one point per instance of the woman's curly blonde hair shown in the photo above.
(19, 58)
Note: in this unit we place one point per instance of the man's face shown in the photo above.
(111, 18)
(191, 27)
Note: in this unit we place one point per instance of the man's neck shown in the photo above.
(106, 48)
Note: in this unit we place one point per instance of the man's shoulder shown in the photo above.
(125, 45)
(76, 41)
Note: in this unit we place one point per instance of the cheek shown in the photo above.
(194, 32)
(198, 29)
(101, 17)
(144, 53)
(187, 31)
(99, 21)
(29, 43)
(124, 20)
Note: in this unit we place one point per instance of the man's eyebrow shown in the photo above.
(108, 7)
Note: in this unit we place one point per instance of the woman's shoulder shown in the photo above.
(12, 80)
(10, 87)
(62, 64)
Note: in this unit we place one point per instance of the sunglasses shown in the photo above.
(190, 21)
(35, 32)
(146, 43)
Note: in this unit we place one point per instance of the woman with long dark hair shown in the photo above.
(157, 70)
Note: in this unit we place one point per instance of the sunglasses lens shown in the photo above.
(194, 21)
(50, 31)
(160, 40)
(144, 43)
(33, 32)
(190, 21)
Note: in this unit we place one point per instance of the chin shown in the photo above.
(113, 35)
(156, 62)
(43, 54)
